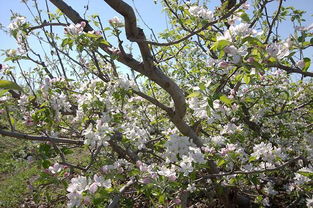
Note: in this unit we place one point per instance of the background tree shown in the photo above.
(216, 111)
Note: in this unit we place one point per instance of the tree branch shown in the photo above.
(116, 198)
(289, 69)
(40, 138)
(154, 101)
(253, 172)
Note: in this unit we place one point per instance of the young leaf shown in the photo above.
(5, 84)
(307, 63)
(225, 100)
(194, 94)
(246, 79)
(220, 45)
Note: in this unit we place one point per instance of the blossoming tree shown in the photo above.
(216, 111)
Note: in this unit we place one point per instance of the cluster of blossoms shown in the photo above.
(16, 28)
(181, 149)
(201, 12)
(279, 50)
(17, 23)
(194, 156)
(60, 103)
(136, 134)
(300, 178)
(267, 152)
(177, 146)
(75, 29)
(101, 134)
(199, 107)
(124, 83)
(81, 184)
(230, 128)
(241, 30)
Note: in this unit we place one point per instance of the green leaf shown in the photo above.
(301, 38)
(307, 64)
(252, 41)
(252, 158)
(2, 92)
(104, 42)
(90, 35)
(245, 17)
(202, 86)
(67, 41)
(221, 162)
(45, 163)
(194, 94)
(272, 60)
(5, 84)
(161, 198)
(307, 174)
(225, 100)
(220, 45)
(246, 79)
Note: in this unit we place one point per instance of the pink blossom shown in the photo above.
(177, 200)
(223, 64)
(116, 22)
(146, 180)
(250, 60)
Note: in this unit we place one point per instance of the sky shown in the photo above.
(150, 12)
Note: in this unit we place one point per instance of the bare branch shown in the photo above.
(45, 24)
(154, 101)
(273, 21)
(116, 199)
(289, 69)
(40, 138)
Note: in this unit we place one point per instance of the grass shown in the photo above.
(15, 171)
(17, 174)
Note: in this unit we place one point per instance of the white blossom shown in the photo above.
(167, 172)
(75, 199)
(186, 165)
(78, 184)
(177, 145)
(309, 202)
(191, 187)
(278, 50)
(300, 64)
(267, 152)
(219, 140)
(99, 182)
(196, 155)
(56, 168)
(301, 28)
(201, 12)
(17, 22)
(199, 107)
